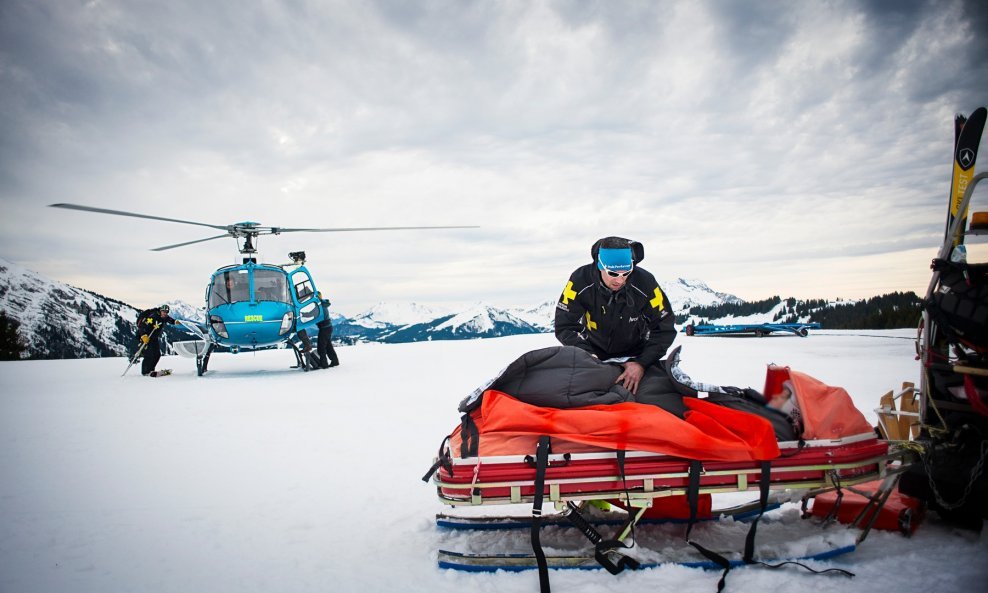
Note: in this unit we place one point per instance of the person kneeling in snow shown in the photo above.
(149, 324)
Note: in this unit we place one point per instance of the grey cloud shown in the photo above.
(550, 123)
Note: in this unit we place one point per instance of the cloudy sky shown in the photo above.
(766, 148)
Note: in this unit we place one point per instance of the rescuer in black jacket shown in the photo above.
(149, 329)
(327, 354)
(614, 309)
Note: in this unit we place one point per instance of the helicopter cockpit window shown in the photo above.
(270, 285)
(229, 287)
(303, 286)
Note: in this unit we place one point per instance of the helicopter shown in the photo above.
(252, 306)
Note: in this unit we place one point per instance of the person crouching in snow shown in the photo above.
(612, 308)
(149, 330)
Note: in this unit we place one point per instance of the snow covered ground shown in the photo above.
(262, 478)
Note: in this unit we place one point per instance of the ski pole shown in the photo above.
(141, 349)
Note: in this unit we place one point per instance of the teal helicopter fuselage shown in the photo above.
(251, 306)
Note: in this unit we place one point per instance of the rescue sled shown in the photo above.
(654, 464)
(755, 329)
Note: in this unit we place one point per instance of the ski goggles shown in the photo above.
(614, 274)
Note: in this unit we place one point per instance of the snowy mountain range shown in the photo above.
(61, 321)
(413, 322)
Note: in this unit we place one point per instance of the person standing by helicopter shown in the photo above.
(149, 330)
(324, 345)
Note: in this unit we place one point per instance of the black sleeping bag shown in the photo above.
(569, 377)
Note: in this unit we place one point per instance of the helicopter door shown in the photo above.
(304, 291)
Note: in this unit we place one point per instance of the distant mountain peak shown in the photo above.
(685, 293)
(481, 318)
(400, 314)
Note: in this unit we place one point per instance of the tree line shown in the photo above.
(739, 309)
(889, 311)
(12, 346)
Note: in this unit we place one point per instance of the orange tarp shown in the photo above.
(709, 432)
(827, 412)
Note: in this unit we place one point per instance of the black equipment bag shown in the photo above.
(960, 303)
(951, 476)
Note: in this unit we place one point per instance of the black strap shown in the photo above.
(541, 462)
(764, 481)
(442, 460)
(604, 549)
(832, 515)
(621, 455)
(749, 545)
(692, 497)
(800, 444)
(469, 437)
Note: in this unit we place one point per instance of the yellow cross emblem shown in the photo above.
(591, 324)
(657, 302)
(568, 293)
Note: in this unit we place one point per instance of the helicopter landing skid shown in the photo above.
(299, 358)
(203, 361)
(195, 348)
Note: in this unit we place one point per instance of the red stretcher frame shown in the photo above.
(820, 464)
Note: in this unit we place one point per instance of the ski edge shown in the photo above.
(470, 562)
(497, 522)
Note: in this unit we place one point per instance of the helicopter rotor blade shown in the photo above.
(277, 230)
(135, 215)
(189, 242)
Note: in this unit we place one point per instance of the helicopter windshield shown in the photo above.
(270, 285)
(229, 287)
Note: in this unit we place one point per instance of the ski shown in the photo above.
(967, 134)
(473, 562)
(741, 512)
(161, 373)
(134, 359)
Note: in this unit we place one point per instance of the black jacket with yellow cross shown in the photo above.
(636, 321)
(151, 319)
